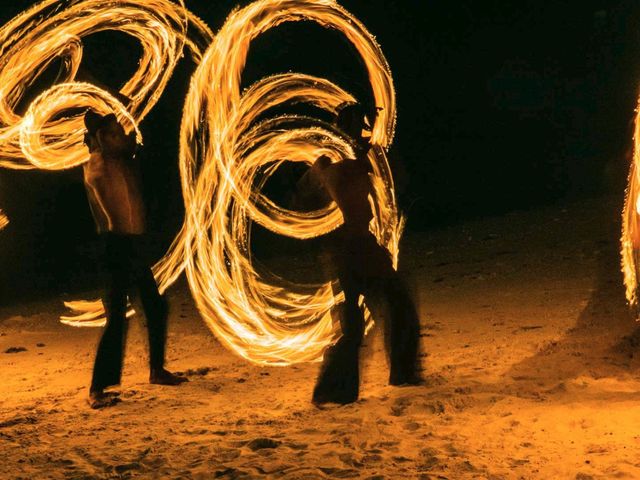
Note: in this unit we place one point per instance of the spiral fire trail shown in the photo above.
(226, 154)
(47, 137)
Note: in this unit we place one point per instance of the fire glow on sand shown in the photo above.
(226, 154)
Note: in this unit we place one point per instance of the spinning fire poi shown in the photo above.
(223, 167)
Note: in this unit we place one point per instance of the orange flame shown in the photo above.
(4, 220)
(630, 241)
(261, 317)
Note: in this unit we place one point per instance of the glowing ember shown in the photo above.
(223, 166)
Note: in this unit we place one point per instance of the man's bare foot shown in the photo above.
(100, 399)
(165, 377)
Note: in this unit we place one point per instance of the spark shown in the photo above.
(226, 153)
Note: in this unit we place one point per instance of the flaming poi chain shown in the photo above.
(227, 152)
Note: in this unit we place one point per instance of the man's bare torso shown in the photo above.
(347, 183)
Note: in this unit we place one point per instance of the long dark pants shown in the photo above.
(365, 268)
(126, 270)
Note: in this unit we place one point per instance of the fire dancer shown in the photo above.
(364, 268)
(112, 182)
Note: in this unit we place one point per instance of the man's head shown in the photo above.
(92, 122)
(104, 132)
(351, 118)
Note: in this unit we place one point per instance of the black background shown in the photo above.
(501, 106)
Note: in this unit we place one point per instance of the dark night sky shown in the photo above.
(501, 106)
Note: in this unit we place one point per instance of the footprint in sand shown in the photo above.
(416, 405)
(428, 459)
(15, 350)
(340, 472)
(303, 447)
(384, 447)
(411, 426)
(350, 460)
(223, 454)
(155, 462)
(28, 420)
(373, 458)
(263, 443)
(231, 473)
(126, 467)
(201, 371)
(584, 476)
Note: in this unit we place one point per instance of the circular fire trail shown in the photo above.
(226, 153)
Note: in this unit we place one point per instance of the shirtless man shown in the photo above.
(364, 268)
(113, 188)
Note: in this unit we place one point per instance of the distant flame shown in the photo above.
(261, 317)
(630, 241)
(4, 220)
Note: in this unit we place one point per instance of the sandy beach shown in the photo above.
(530, 359)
